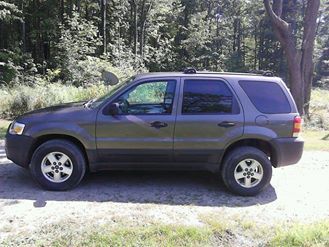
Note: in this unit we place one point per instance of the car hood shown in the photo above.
(57, 112)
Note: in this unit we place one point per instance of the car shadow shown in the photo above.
(171, 188)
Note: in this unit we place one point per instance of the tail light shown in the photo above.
(297, 126)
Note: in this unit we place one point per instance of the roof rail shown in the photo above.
(189, 70)
(263, 72)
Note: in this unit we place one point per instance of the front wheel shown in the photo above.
(246, 171)
(58, 165)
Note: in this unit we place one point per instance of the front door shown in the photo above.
(144, 128)
(209, 117)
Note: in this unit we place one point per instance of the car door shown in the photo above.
(209, 117)
(143, 129)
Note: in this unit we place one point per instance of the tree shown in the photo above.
(103, 31)
(299, 59)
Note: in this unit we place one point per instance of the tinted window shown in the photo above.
(154, 97)
(267, 97)
(206, 96)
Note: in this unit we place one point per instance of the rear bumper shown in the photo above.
(18, 149)
(288, 151)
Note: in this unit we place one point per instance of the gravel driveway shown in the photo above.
(298, 192)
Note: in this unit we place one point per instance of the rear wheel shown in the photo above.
(246, 171)
(58, 165)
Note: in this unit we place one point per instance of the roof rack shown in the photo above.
(263, 72)
(190, 70)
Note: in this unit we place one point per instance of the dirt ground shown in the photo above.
(296, 193)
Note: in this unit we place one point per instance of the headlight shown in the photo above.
(16, 128)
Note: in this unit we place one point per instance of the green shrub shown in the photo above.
(319, 110)
(20, 99)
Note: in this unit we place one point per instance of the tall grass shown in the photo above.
(20, 99)
(319, 110)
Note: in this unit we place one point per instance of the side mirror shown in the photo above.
(114, 109)
(109, 78)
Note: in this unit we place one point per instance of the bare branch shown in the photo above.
(276, 20)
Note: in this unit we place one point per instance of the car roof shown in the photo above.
(239, 76)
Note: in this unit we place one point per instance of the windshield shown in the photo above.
(113, 90)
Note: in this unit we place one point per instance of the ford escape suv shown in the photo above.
(235, 125)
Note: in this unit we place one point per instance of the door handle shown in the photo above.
(226, 124)
(158, 124)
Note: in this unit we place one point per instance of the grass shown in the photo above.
(316, 234)
(213, 234)
(316, 140)
(319, 110)
(3, 127)
(163, 235)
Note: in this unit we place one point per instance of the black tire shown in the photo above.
(234, 158)
(66, 147)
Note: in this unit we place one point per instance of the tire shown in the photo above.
(58, 177)
(252, 181)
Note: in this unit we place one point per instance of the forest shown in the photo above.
(49, 48)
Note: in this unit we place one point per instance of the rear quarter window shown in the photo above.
(267, 97)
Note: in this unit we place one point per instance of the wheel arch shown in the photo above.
(44, 138)
(263, 145)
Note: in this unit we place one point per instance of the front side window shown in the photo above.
(154, 97)
(208, 97)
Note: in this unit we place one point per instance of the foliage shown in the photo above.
(45, 42)
(3, 128)
(21, 99)
(18, 68)
(9, 11)
(149, 35)
(77, 44)
(322, 48)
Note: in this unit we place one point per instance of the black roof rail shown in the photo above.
(263, 72)
(190, 70)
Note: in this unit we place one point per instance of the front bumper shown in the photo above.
(288, 151)
(18, 149)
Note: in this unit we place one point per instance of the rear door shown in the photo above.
(209, 116)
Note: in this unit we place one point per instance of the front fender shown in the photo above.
(84, 133)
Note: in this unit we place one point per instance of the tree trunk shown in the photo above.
(133, 6)
(103, 13)
(300, 64)
(307, 65)
(61, 10)
(23, 30)
(145, 11)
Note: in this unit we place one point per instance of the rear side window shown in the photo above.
(267, 97)
(208, 97)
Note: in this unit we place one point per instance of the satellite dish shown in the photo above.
(109, 78)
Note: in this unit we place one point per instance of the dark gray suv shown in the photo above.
(237, 125)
